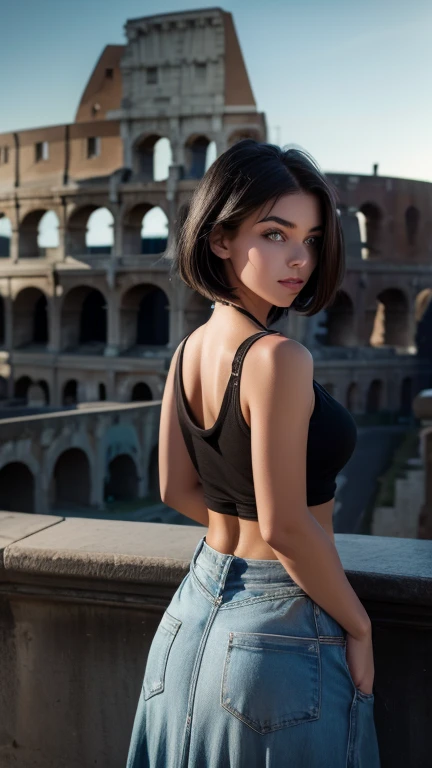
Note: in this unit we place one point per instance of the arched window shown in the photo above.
(141, 392)
(5, 236)
(38, 232)
(373, 219)
(84, 320)
(122, 481)
(66, 492)
(70, 392)
(144, 316)
(17, 488)
(391, 326)
(196, 157)
(145, 230)
(30, 318)
(90, 230)
(412, 220)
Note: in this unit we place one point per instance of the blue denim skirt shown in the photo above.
(246, 671)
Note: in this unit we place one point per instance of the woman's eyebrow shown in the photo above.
(289, 224)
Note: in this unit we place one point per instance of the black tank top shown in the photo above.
(221, 454)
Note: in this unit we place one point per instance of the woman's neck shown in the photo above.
(254, 314)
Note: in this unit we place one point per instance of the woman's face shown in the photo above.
(279, 242)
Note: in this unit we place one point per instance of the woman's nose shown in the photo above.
(299, 257)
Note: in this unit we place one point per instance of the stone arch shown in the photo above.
(70, 392)
(79, 238)
(33, 233)
(84, 319)
(423, 316)
(71, 480)
(100, 231)
(152, 156)
(422, 302)
(197, 311)
(38, 394)
(391, 321)
(5, 236)
(144, 316)
(162, 159)
(21, 387)
(374, 396)
(412, 221)
(361, 220)
(30, 318)
(63, 443)
(145, 229)
(373, 222)
(340, 322)
(102, 391)
(406, 395)
(122, 483)
(45, 389)
(48, 232)
(141, 392)
(17, 488)
(353, 397)
(196, 156)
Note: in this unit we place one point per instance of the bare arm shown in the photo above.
(279, 410)
(180, 484)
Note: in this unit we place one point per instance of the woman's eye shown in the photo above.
(316, 241)
(270, 234)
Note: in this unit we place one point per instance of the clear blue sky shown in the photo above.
(349, 82)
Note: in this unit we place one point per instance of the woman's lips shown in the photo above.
(291, 283)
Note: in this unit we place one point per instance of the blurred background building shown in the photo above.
(90, 317)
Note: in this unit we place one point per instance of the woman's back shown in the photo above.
(215, 374)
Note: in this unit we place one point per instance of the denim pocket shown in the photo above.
(157, 659)
(360, 693)
(271, 681)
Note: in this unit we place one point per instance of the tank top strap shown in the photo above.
(240, 355)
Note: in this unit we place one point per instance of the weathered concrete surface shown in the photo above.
(15, 526)
(387, 569)
(109, 550)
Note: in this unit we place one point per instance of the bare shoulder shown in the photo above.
(277, 354)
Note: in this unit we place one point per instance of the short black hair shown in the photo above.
(241, 180)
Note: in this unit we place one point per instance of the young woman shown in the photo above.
(264, 655)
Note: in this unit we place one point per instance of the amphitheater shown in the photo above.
(83, 323)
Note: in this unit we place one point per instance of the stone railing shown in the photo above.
(80, 602)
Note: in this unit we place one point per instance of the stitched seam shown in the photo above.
(204, 591)
(247, 601)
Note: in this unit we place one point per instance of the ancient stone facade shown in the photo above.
(79, 459)
(83, 323)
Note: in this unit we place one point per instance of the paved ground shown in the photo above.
(357, 483)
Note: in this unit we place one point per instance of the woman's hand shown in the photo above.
(359, 656)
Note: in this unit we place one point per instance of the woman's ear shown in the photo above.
(219, 242)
